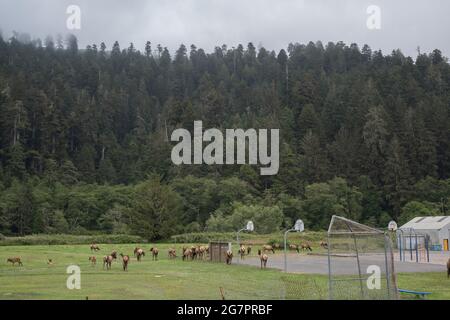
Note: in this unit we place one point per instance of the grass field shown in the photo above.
(164, 279)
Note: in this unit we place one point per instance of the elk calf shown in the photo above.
(93, 260)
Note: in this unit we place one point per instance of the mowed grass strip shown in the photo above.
(162, 279)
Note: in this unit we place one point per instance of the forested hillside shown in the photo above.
(84, 136)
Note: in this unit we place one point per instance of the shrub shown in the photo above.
(54, 239)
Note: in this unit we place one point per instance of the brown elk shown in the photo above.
(306, 246)
(172, 253)
(15, 260)
(187, 253)
(294, 247)
(93, 260)
(448, 268)
(229, 256)
(324, 244)
(249, 250)
(268, 248)
(95, 247)
(114, 255)
(138, 252)
(50, 262)
(125, 261)
(242, 251)
(107, 260)
(194, 252)
(154, 252)
(201, 252)
(263, 257)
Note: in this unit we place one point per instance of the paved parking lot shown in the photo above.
(318, 264)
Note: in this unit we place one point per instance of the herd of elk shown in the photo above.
(194, 252)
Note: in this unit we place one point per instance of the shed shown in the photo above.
(437, 228)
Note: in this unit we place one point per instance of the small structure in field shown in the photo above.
(218, 250)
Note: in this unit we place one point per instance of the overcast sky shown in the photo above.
(405, 24)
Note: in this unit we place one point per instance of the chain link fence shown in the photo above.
(371, 275)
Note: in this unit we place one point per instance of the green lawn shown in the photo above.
(164, 279)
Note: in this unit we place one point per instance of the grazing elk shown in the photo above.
(94, 247)
(138, 252)
(242, 251)
(306, 246)
(324, 244)
(229, 256)
(263, 257)
(294, 247)
(15, 260)
(93, 260)
(448, 268)
(187, 253)
(201, 252)
(107, 260)
(172, 253)
(154, 252)
(125, 261)
(194, 252)
(50, 262)
(268, 248)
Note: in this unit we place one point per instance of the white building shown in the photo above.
(437, 228)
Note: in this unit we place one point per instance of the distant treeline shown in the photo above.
(84, 136)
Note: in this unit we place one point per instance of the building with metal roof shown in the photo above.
(437, 228)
